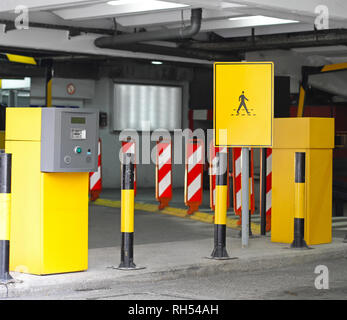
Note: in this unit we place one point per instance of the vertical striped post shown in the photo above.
(251, 190)
(5, 217)
(95, 178)
(163, 183)
(219, 251)
(193, 191)
(300, 201)
(268, 188)
(236, 155)
(127, 213)
(244, 197)
(263, 192)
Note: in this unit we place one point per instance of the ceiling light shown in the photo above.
(252, 21)
(151, 4)
(156, 62)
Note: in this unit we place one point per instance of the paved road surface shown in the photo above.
(295, 282)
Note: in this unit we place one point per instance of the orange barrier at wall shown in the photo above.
(236, 158)
(194, 175)
(95, 178)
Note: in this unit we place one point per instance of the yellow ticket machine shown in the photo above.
(315, 137)
(53, 150)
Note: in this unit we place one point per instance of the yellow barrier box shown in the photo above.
(315, 137)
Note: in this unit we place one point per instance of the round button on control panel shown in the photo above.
(78, 150)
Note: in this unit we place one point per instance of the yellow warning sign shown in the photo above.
(243, 104)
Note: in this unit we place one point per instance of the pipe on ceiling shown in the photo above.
(114, 42)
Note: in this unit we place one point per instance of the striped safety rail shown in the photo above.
(193, 187)
(236, 156)
(163, 185)
(130, 147)
(95, 178)
(268, 188)
(213, 172)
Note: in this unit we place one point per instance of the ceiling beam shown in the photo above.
(59, 41)
(277, 41)
(182, 52)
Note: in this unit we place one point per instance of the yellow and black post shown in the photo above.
(5, 217)
(127, 213)
(300, 202)
(220, 218)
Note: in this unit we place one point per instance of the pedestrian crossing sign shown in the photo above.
(243, 104)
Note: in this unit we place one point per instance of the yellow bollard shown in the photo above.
(219, 251)
(127, 214)
(300, 202)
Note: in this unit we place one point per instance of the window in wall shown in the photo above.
(136, 104)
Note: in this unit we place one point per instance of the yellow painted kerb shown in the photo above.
(177, 212)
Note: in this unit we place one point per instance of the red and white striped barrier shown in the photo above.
(251, 181)
(236, 156)
(130, 147)
(163, 186)
(95, 178)
(268, 188)
(213, 172)
(237, 183)
(193, 175)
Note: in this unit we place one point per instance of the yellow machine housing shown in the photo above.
(315, 136)
(49, 220)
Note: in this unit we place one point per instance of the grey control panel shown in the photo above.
(69, 140)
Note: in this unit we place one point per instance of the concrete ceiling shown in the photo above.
(227, 19)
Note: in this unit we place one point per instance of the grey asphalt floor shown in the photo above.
(285, 283)
(174, 252)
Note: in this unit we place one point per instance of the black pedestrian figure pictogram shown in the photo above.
(242, 98)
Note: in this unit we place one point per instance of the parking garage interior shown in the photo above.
(148, 65)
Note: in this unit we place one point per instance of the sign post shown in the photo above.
(243, 115)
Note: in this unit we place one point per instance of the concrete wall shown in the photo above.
(84, 90)
(103, 101)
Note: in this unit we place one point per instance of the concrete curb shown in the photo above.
(104, 279)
